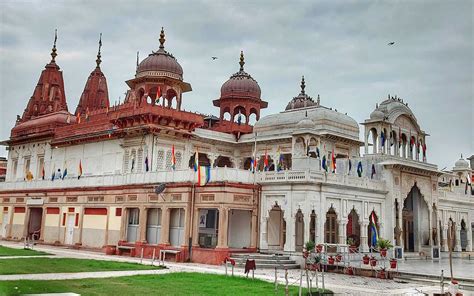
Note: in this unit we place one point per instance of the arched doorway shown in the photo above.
(373, 230)
(330, 227)
(353, 228)
(416, 229)
(275, 227)
(299, 231)
(463, 235)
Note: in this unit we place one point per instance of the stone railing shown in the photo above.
(305, 176)
(188, 175)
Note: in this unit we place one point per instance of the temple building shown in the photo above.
(145, 175)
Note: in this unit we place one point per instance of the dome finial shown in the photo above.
(53, 51)
(302, 85)
(98, 61)
(162, 38)
(242, 60)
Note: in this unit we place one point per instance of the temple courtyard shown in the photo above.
(63, 270)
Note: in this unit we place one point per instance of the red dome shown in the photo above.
(241, 84)
(160, 61)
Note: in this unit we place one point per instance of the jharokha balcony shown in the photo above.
(218, 174)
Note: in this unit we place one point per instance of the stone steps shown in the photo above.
(265, 261)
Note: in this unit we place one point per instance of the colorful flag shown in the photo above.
(196, 160)
(204, 175)
(79, 173)
(333, 161)
(324, 165)
(359, 169)
(265, 161)
(147, 168)
(173, 158)
(373, 171)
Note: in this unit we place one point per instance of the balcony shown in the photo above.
(188, 175)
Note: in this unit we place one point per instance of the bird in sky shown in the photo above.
(214, 58)
(391, 43)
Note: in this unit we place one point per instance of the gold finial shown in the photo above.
(53, 51)
(98, 61)
(302, 85)
(162, 38)
(242, 60)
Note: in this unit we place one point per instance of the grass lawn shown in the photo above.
(60, 265)
(5, 251)
(166, 284)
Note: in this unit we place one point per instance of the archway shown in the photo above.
(415, 221)
(353, 228)
(299, 231)
(463, 235)
(373, 230)
(331, 227)
(372, 138)
(275, 226)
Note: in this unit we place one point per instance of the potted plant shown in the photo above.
(319, 248)
(352, 245)
(338, 258)
(382, 273)
(373, 261)
(384, 245)
(350, 270)
(366, 259)
(331, 260)
(393, 263)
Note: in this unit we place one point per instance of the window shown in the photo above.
(160, 160)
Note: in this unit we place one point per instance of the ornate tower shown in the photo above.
(158, 80)
(95, 95)
(48, 96)
(240, 95)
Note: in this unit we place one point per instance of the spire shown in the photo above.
(98, 61)
(53, 51)
(162, 39)
(302, 85)
(242, 60)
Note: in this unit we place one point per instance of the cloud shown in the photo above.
(340, 47)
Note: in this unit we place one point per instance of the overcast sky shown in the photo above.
(339, 46)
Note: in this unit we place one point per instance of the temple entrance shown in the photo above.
(208, 227)
(299, 231)
(34, 223)
(331, 229)
(353, 228)
(275, 228)
(240, 228)
(415, 216)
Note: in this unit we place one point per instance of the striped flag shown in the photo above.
(173, 159)
(204, 175)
